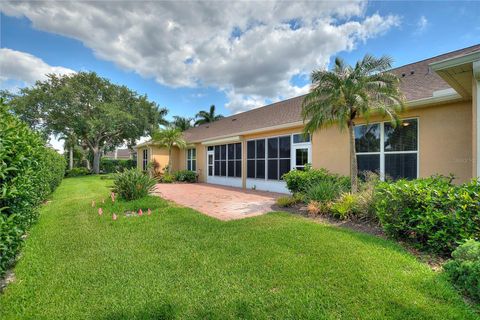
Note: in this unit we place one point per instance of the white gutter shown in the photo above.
(439, 98)
(476, 80)
(455, 61)
(222, 141)
(241, 133)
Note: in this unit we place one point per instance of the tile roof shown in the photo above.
(418, 82)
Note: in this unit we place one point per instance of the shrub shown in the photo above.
(345, 206)
(115, 165)
(77, 172)
(166, 178)
(287, 201)
(133, 184)
(324, 191)
(299, 181)
(365, 202)
(432, 214)
(314, 207)
(29, 172)
(185, 176)
(464, 269)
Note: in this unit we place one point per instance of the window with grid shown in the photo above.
(228, 160)
(192, 159)
(268, 158)
(256, 159)
(278, 157)
(144, 159)
(391, 151)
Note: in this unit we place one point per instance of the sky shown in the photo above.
(241, 55)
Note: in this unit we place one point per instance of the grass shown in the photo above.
(178, 263)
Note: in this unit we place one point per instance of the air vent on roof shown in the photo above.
(234, 119)
(206, 127)
(403, 75)
(412, 72)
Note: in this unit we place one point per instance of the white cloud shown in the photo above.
(247, 49)
(24, 69)
(422, 25)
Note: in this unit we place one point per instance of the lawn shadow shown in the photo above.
(162, 311)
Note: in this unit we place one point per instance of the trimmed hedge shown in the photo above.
(431, 214)
(29, 172)
(185, 176)
(301, 181)
(77, 172)
(464, 269)
(113, 166)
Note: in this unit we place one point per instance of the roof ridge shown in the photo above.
(437, 56)
(224, 119)
(248, 111)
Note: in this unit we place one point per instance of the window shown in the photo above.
(367, 147)
(192, 159)
(388, 150)
(225, 160)
(144, 159)
(268, 158)
(301, 158)
(301, 138)
(278, 157)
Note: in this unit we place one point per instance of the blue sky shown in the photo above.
(409, 31)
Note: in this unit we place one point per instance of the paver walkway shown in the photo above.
(224, 203)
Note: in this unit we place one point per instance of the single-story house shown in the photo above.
(440, 134)
(118, 154)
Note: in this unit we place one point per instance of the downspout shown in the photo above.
(476, 106)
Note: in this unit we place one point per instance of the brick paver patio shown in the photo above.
(224, 203)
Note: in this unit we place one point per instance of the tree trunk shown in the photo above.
(70, 158)
(170, 160)
(353, 159)
(97, 154)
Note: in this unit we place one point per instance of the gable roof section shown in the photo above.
(418, 82)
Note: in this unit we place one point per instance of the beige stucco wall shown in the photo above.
(445, 144)
(160, 155)
(180, 160)
(445, 140)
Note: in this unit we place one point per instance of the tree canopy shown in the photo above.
(182, 123)
(341, 95)
(168, 138)
(99, 113)
(207, 116)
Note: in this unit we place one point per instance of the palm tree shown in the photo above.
(70, 143)
(182, 123)
(340, 96)
(207, 116)
(168, 138)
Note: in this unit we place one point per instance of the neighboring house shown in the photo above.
(118, 154)
(440, 134)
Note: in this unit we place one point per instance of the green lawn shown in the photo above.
(178, 263)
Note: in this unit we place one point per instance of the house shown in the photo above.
(440, 134)
(118, 154)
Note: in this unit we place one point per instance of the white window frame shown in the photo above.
(227, 159)
(190, 159)
(293, 147)
(382, 151)
(145, 159)
(300, 145)
(211, 153)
